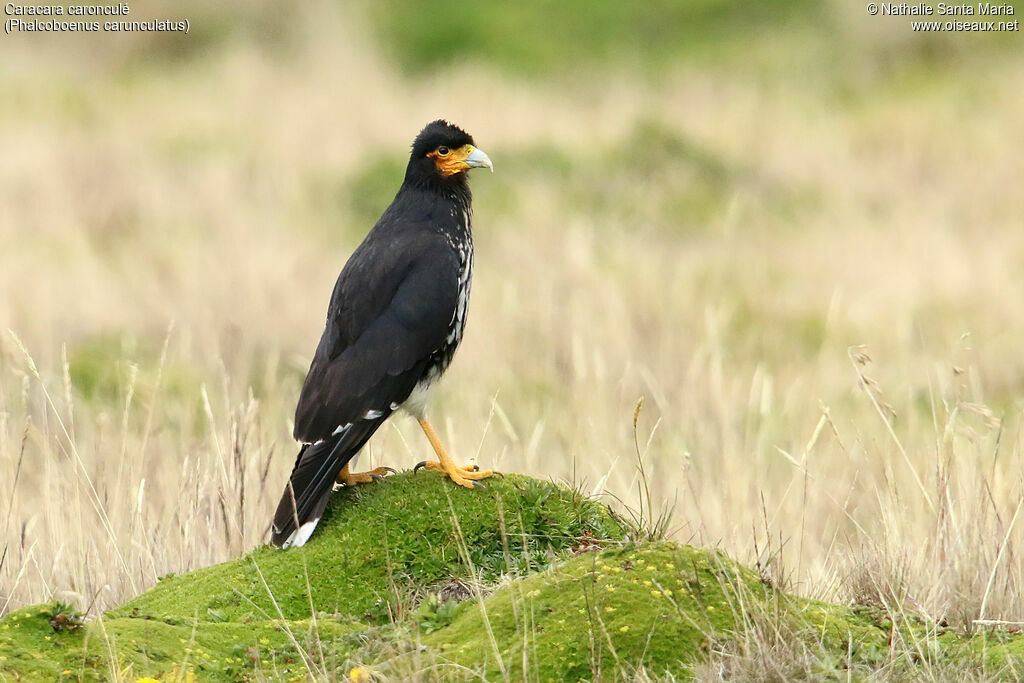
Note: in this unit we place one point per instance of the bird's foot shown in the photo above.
(463, 476)
(355, 478)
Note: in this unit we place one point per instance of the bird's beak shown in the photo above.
(479, 159)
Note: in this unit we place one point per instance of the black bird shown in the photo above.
(394, 322)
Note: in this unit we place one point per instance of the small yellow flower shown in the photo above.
(647, 583)
(652, 568)
(147, 680)
(360, 674)
(623, 629)
(656, 594)
(609, 609)
(264, 641)
(610, 589)
(670, 566)
(711, 608)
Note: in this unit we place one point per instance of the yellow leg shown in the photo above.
(355, 478)
(463, 476)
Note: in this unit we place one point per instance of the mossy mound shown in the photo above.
(658, 608)
(378, 545)
(175, 649)
(416, 577)
(377, 552)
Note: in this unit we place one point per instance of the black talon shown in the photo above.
(476, 468)
(419, 465)
(479, 485)
(391, 470)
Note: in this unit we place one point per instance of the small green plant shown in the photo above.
(64, 617)
(435, 612)
(646, 524)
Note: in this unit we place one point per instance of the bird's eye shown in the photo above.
(443, 151)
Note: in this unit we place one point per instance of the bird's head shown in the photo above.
(444, 152)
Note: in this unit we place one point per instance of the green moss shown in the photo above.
(660, 608)
(379, 546)
(114, 648)
(220, 650)
(393, 580)
(592, 616)
(656, 608)
(31, 646)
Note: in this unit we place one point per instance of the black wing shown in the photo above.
(370, 357)
(392, 308)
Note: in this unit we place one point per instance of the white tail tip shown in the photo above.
(301, 535)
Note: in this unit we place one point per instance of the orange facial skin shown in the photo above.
(454, 161)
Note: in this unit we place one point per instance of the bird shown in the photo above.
(395, 319)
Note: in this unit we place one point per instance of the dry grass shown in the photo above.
(160, 229)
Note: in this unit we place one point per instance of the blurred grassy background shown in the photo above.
(704, 203)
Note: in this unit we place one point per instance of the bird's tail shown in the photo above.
(312, 480)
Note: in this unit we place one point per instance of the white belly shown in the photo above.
(416, 404)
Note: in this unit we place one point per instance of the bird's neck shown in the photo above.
(447, 207)
(454, 188)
